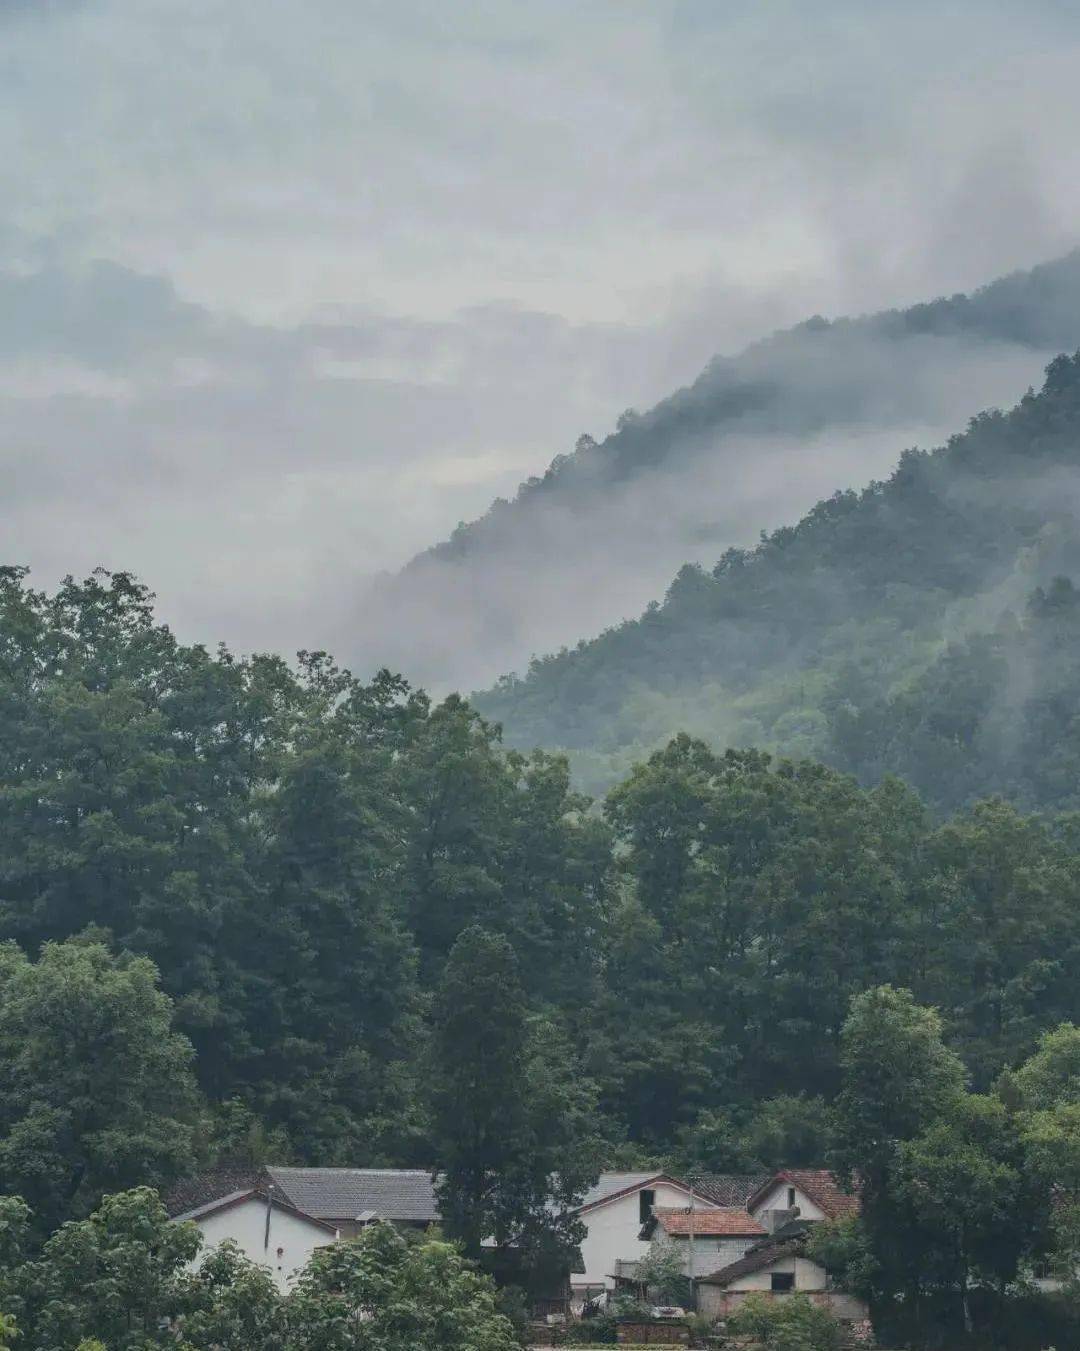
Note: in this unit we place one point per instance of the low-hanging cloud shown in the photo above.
(372, 266)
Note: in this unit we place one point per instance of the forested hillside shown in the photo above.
(927, 625)
(750, 444)
(254, 910)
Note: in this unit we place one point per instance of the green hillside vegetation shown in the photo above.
(926, 626)
(253, 911)
(307, 860)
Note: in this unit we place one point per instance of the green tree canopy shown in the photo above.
(96, 1088)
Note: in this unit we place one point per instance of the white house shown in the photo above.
(813, 1192)
(706, 1238)
(787, 1206)
(614, 1212)
(776, 1268)
(312, 1206)
(267, 1230)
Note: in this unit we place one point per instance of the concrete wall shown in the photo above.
(716, 1301)
(710, 1254)
(777, 1199)
(292, 1239)
(613, 1229)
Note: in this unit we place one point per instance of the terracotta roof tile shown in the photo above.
(708, 1223)
(821, 1186)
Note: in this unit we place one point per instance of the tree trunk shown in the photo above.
(965, 1303)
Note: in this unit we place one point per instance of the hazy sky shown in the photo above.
(287, 289)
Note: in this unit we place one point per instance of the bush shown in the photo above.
(791, 1324)
(513, 1303)
(599, 1330)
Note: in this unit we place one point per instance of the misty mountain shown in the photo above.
(928, 625)
(754, 441)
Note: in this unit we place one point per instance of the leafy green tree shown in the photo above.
(1051, 1076)
(378, 1293)
(998, 933)
(899, 1081)
(120, 1274)
(793, 1324)
(334, 979)
(96, 1088)
(1046, 1091)
(898, 1078)
(842, 1247)
(661, 1272)
(961, 1183)
(788, 1131)
(234, 1305)
(511, 1120)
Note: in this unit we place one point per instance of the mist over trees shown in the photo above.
(923, 626)
(752, 443)
(255, 910)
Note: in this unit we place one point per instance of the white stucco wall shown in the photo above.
(613, 1229)
(710, 1254)
(810, 1278)
(777, 1199)
(292, 1239)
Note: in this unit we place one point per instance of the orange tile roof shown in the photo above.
(820, 1186)
(708, 1223)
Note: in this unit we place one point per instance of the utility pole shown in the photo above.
(691, 1272)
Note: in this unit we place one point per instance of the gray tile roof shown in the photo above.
(344, 1193)
(728, 1189)
(192, 1193)
(219, 1203)
(609, 1183)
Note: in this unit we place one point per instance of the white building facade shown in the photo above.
(268, 1232)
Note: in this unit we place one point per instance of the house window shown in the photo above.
(782, 1282)
(791, 1198)
(646, 1201)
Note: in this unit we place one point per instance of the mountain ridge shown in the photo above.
(754, 440)
(827, 626)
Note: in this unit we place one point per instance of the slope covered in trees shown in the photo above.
(321, 869)
(252, 910)
(927, 625)
(750, 444)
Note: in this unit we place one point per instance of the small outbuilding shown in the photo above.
(776, 1268)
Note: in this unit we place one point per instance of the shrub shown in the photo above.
(790, 1324)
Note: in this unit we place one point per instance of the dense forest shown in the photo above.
(273, 874)
(926, 626)
(257, 910)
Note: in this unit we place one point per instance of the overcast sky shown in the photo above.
(287, 289)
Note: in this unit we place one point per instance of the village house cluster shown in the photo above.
(736, 1235)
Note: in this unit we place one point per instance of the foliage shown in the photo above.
(120, 1275)
(97, 1089)
(513, 1128)
(661, 1272)
(926, 626)
(792, 1324)
(791, 1130)
(123, 1276)
(378, 1293)
(599, 1330)
(843, 1248)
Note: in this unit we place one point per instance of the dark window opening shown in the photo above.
(783, 1281)
(791, 1198)
(646, 1201)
